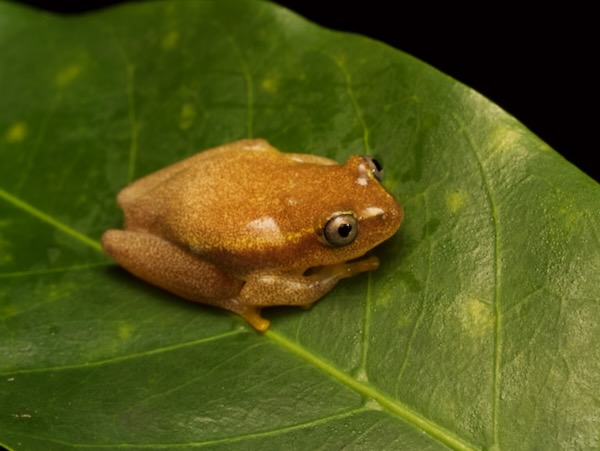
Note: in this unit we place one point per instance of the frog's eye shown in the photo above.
(341, 230)
(375, 168)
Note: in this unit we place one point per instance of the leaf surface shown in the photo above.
(480, 329)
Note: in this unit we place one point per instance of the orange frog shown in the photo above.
(244, 226)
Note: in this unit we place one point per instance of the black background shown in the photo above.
(534, 63)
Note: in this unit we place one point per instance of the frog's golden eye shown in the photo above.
(341, 230)
(375, 168)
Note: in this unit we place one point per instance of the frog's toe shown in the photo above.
(368, 264)
(252, 315)
(346, 270)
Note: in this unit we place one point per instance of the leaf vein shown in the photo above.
(367, 149)
(42, 272)
(213, 442)
(355, 105)
(249, 85)
(44, 217)
(200, 341)
(130, 91)
(132, 116)
(368, 391)
(496, 304)
(30, 157)
(193, 380)
(419, 320)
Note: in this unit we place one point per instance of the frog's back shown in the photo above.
(138, 188)
(243, 200)
(233, 200)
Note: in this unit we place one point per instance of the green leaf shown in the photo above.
(480, 329)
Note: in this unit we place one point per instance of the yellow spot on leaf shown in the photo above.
(341, 60)
(505, 139)
(6, 255)
(476, 316)
(55, 292)
(68, 74)
(8, 310)
(270, 85)
(455, 201)
(17, 132)
(125, 330)
(188, 114)
(169, 40)
(572, 217)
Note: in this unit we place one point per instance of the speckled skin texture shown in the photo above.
(239, 226)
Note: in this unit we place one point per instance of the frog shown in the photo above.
(244, 226)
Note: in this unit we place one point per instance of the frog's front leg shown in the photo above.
(263, 289)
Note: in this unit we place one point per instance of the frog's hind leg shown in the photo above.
(170, 267)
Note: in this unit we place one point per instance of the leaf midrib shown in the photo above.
(367, 390)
